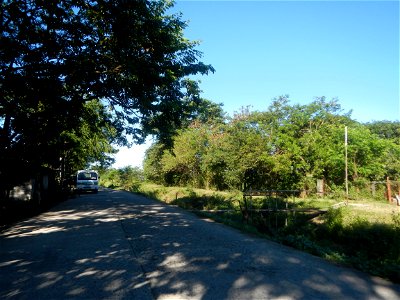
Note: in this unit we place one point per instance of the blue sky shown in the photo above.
(263, 49)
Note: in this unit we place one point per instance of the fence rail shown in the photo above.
(248, 212)
(249, 193)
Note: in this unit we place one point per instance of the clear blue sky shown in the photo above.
(264, 49)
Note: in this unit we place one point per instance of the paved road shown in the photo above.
(116, 245)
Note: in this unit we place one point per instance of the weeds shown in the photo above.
(396, 221)
(371, 247)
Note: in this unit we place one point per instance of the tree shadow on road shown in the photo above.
(77, 250)
(117, 245)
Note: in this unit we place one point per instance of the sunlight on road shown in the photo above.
(44, 224)
(25, 231)
(63, 215)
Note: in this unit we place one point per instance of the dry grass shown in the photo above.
(171, 194)
(374, 212)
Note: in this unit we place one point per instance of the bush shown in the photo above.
(127, 178)
(333, 222)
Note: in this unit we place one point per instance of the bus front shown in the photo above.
(87, 180)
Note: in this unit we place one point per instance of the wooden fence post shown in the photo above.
(320, 187)
(373, 188)
(389, 192)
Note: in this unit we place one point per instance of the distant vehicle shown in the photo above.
(87, 180)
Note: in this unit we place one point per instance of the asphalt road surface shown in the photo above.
(116, 245)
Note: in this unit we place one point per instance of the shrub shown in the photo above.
(333, 221)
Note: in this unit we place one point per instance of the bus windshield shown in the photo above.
(87, 176)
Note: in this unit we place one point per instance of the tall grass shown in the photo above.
(350, 239)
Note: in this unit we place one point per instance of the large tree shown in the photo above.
(57, 55)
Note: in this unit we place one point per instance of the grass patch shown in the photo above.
(189, 198)
(350, 236)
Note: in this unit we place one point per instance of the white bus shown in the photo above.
(87, 180)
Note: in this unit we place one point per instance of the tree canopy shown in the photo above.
(93, 71)
(285, 147)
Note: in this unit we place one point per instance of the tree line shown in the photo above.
(288, 146)
(77, 77)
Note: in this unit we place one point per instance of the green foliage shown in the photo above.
(386, 130)
(285, 147)
(190, 198)
(333, 221)
(127, 178)
(91, 141)
(78, 76)
(357, 240)
(396, 221)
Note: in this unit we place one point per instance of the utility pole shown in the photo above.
(346, 175)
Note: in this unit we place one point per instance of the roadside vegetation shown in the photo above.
(362, 233)
(215, 161)
(286, 147)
